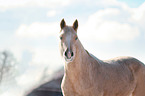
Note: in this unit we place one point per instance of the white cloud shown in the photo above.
(37, 30)
(106, 12)
(17, 51)
(7, 4)
(138, 17)
(102, 29)
(111, 4)
(46, 56)
(51, 13)
(26, 80)
(139, 13)
(13, 92)
(30, 79)
(106, 3)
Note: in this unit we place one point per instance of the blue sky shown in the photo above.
(30, 30)
(133, 3)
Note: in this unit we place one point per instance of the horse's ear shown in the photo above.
(62, 24)
(75, 25)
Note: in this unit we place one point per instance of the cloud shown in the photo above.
(13, 91)
(8, 4)
(46, 56)
(139, 13)
(51, 13)
(105, 26)
(23, 80)
(37, 30)
(30, 79)
(106, 3)
(138, 17)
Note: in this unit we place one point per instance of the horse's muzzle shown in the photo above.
(68, 54)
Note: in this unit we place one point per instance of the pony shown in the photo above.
(86, 75)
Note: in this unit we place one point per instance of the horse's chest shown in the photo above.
(82, 86)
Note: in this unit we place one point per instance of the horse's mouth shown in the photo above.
(68, 59)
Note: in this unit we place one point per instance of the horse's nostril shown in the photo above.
(68, 54)
(72, 54)
(65, 54)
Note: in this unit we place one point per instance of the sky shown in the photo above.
(29, 29)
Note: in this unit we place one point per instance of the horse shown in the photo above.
(86, 75)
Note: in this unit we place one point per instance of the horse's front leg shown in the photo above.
(67, 88)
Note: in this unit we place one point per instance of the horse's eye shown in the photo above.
(61, 38)
(76, 38)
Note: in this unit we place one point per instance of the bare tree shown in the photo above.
(7, 66)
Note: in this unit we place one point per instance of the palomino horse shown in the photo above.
(85, 75)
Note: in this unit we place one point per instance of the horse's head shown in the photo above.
(68, 37)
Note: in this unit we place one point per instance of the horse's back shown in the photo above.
(135, 66)
(131, 62)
